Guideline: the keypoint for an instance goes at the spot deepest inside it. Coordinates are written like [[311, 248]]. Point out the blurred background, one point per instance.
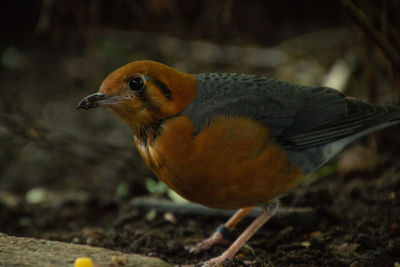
[[53, 53]]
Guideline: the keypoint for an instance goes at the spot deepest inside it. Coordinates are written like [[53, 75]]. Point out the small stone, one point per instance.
[[169, 217], [347, 248]]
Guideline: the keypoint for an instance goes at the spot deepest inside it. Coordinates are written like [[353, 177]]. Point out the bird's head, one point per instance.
[[143, 93]]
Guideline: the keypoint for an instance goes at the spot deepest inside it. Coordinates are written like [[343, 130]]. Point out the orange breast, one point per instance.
[[230, 164]]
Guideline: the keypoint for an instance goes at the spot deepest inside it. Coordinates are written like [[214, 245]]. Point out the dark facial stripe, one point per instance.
[[143, 97], [163, 88], [146, 99]]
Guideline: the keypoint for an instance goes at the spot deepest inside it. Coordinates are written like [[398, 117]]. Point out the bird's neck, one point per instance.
[[147, 134]]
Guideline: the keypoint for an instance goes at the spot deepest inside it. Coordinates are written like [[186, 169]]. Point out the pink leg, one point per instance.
[[217, 237], [266, 214], [237, 217]]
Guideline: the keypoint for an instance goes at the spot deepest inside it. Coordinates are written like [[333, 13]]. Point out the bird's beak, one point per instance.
[[96, 100]]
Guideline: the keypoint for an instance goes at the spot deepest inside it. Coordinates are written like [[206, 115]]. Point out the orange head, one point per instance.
[[144, 93]]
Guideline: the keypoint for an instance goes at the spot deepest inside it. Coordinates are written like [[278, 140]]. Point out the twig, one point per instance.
[[162, 205], [372, 32], [394, 35]]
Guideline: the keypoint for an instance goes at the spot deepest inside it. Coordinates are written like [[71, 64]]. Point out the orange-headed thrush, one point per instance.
[[233, 141]]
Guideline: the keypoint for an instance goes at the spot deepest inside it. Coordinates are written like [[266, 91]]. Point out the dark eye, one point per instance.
[[136, 83]]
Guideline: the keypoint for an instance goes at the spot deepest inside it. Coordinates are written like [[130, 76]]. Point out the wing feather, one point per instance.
[[298, 117]]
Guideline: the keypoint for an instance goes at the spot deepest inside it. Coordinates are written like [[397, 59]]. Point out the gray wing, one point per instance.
[[287, 110], [310, 123]]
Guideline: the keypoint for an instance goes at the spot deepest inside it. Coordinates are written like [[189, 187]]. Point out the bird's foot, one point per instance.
[[217, 261], [215, 239]]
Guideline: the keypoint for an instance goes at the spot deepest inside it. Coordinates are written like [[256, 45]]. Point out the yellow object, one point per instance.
[[83, 262]]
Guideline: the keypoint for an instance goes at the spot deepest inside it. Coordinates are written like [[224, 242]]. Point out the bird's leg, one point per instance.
[[266, 214], [220, 236]]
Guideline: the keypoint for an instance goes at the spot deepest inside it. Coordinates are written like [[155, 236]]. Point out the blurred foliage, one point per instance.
[[159, 188], [155, 187]]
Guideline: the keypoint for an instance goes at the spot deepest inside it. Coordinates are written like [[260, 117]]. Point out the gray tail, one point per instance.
[[360, 118], [368, 118]]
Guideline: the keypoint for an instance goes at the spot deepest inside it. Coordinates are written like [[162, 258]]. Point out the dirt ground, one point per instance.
[[354, 222]]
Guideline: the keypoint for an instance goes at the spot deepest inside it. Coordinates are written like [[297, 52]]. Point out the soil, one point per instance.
[[355, 221]]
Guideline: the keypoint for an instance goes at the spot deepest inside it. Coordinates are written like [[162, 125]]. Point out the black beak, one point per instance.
[[92, 101]]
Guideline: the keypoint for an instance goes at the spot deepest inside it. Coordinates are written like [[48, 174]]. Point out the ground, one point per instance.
[[354, 220]]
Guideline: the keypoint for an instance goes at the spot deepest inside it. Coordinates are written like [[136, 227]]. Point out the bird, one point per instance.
[[233, 141]]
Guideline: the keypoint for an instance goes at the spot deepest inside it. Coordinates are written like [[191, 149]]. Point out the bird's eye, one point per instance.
[[136, 83]]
